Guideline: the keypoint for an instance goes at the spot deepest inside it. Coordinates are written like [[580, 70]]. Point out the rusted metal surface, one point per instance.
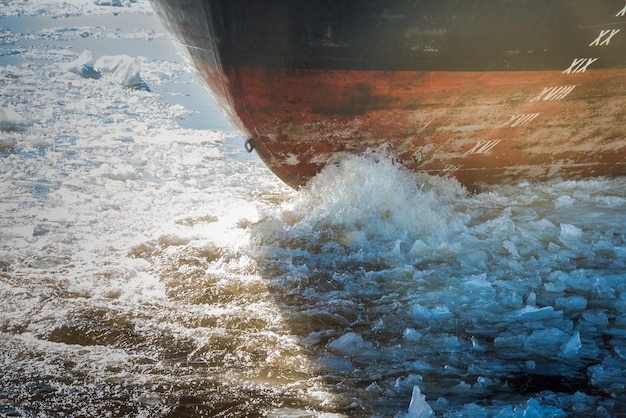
[[565, 118], [480, 127]]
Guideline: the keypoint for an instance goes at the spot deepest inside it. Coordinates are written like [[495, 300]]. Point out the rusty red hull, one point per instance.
[[556, 118], [495, 127]]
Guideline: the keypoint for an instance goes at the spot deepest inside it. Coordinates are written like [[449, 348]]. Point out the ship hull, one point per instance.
[[495, 92]]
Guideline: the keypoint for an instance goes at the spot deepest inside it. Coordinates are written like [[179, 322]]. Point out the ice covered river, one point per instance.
[[150, 267]]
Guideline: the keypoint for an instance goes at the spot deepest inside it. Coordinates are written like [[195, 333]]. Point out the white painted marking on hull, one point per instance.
[[553, 93], [602, 39], [580, 65], [520, 120], [484, 146]]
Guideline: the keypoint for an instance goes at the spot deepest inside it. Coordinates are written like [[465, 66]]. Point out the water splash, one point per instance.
[[508, 295]]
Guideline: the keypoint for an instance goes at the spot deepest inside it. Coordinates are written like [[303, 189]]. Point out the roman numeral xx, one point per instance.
[[602, 39]]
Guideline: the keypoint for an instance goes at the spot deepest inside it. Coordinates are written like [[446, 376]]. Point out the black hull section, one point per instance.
[[402, 35]]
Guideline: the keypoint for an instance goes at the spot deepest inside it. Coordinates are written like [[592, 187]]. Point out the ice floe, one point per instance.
[[121, 69]]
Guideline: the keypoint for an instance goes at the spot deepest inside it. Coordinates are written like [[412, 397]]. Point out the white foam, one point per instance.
[[410, 208]]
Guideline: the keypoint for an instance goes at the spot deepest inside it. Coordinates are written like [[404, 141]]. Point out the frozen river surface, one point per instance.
[[150, 267]]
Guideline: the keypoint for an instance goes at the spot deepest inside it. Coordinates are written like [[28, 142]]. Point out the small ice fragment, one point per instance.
[[506, 412], [410, 334], [10, 120], [563, 201], [510, 246], [418, 407], [546, 341], [531, 313], [122, 68], [83, 66], [620, 350], [479, 286], [571, 347], [121, 172], [178, 111], [340, 364], [408, 382], [555, 287], [474, 410], [509, 341], [576, 303], [553, 248], [349, 344], [570, 236], [451, 343], [620, 305], [114, 3], [421, 312], [462, 386], [534, 409], [596, 317], [477, 346]]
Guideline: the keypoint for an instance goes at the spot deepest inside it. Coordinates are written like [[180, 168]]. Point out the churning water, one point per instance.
[[149, 268]]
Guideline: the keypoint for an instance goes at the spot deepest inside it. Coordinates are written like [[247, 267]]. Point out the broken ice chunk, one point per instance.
[[83, 66], [122, 69], [571, 347], [418, 407], [575, 303], [350, 344], [570, 236], [596, 318], [531, 313], [547, 342]]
